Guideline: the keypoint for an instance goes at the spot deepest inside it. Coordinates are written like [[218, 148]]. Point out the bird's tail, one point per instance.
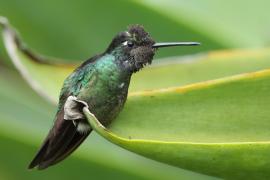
[[61, 141]]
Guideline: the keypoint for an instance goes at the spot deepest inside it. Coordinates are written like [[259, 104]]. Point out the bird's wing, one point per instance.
[[64, 137]]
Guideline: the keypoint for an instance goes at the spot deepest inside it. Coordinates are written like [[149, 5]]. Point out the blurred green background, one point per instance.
[[76, 30]]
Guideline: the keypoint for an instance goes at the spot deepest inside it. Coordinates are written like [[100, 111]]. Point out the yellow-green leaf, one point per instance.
[[215, 123], [219, 128], [233, 26], [25, 118], [45, 75]]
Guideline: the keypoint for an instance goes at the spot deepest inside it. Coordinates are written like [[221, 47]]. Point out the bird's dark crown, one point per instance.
[[134, 47], [135, 34]]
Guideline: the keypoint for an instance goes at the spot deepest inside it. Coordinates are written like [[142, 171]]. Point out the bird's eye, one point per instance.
[[130, 43]]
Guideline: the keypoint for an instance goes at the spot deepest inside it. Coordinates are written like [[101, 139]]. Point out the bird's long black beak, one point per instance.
[[169, 44]]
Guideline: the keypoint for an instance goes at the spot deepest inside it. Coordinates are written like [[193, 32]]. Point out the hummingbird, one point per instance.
[[100, 83]]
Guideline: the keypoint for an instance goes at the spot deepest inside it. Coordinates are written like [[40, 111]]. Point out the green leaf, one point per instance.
[[78, 30], [230, 25], [25, 119], [47, 79], [219, 128], [24, 122], [37, 72], [15, 155]]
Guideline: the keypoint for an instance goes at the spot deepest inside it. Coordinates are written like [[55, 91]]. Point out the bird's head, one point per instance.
[[135, 48]]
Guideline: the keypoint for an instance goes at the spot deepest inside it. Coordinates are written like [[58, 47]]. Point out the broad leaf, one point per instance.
[[15, 154], [230, 23], [78, 30], [25, 119], [218, 127], [47, 79]]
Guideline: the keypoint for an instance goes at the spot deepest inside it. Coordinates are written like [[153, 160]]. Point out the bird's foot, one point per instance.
[[73, 108]]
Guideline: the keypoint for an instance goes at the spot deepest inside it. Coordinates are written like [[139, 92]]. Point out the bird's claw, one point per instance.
[[73, 108]]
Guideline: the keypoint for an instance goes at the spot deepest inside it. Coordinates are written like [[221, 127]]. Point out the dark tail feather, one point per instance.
[[62, 140], [53, 145], [75, 142], [39, 155], [64, 151]]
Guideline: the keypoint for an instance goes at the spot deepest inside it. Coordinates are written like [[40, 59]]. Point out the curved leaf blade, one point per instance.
[[220, 20], [45, 75], [36, 72], [149, 127], [28, 117], [78, 30], [25, 119], [221, 148]]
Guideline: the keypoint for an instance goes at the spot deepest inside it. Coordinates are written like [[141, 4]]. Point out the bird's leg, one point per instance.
[[73, 108]]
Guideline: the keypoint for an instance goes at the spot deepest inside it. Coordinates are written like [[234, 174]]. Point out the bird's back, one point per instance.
[[103, 86]]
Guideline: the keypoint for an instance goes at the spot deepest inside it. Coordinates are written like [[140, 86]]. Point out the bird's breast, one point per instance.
[[106, 93]]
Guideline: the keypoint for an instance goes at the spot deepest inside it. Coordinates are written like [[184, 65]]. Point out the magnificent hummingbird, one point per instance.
[[102, 84]]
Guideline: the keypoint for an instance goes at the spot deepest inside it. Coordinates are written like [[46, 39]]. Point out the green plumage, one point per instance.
[[103, 84]]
